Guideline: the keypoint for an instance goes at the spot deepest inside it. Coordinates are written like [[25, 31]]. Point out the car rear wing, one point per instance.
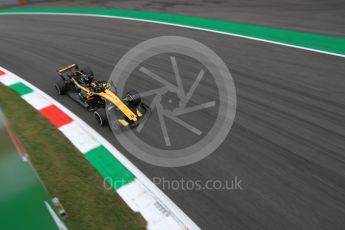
[[70, 67], [68, 71]]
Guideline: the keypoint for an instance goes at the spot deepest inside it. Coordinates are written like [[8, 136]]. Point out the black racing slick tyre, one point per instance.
[[133, 98], [60, 86], [101, 116]]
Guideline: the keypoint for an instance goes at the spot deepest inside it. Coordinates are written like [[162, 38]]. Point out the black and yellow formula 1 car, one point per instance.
[[81, 86]]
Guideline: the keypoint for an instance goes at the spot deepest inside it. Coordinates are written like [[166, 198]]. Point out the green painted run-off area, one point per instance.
[[22, 196]]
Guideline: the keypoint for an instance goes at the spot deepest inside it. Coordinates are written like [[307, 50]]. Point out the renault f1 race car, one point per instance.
[[81, 86]]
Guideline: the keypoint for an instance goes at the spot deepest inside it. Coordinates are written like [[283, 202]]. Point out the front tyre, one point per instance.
[[101, 116], [133, 98]]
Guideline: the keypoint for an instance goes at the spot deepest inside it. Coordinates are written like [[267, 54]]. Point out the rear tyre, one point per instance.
[[60, 86], [101, 116]]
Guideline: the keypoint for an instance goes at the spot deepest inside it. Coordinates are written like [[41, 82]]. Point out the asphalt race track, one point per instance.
[[287, 141], [317, 16]]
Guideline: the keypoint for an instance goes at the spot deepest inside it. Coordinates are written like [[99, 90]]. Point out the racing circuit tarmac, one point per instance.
[[287, 141]]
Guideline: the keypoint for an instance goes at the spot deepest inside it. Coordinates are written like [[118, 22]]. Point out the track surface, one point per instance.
[[317, 16], [287, 142]]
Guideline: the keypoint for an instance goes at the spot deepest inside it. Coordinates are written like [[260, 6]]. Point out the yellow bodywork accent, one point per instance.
[[139, 113], [113, 98], [110, 96], [66, 68], [123, 122]]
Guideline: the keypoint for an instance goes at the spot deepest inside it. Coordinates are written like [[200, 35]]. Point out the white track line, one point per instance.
[[184, 26]]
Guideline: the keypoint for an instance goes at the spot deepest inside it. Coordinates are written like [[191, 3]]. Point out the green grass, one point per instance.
[[65, 172]]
